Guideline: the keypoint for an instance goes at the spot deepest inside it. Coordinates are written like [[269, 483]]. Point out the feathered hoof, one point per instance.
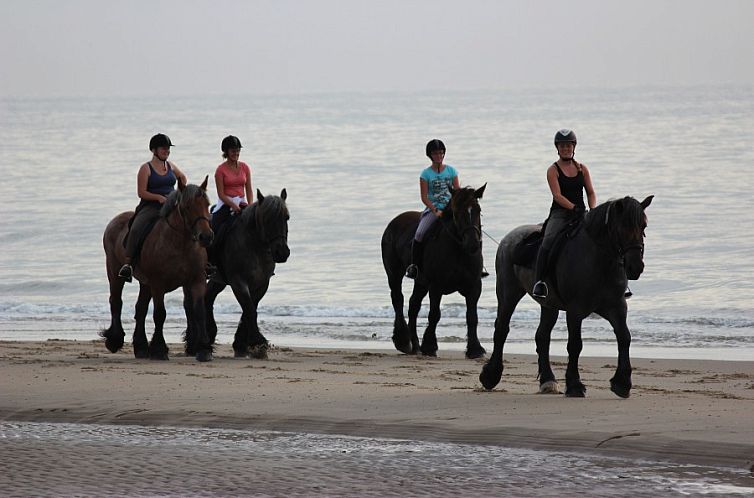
[[240, 354], [475, 353], [550, 387], [259, 351], [620, 390], [203, 356], [141, 354], [490, 376], [577, 390], [404, 346]]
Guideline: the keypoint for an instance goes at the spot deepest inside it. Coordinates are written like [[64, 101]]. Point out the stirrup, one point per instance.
[[126, 273], [540, 290], [627, 294], [412, 271]]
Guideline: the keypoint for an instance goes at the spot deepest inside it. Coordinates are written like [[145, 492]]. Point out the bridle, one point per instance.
[[620, 248], [188, 227], [471, 226]]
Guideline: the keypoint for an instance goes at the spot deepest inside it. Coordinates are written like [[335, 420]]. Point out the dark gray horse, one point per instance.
[[452, 263], [251, 247], [589, 275]]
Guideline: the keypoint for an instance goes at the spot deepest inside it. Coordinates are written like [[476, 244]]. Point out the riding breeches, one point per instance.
[[557, 221], [145, 216], [428, 218]]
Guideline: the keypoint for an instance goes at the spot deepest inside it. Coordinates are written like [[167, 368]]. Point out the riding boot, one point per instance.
[[540, 288], [417, 251], [126, 272]]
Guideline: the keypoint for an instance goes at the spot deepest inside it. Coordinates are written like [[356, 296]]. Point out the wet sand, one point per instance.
[[681, 410]]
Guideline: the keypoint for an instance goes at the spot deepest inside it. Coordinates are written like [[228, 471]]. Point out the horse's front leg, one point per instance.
[[242, 343], [140, 343], [429, 341], [158, 350], [509, 293], [620, 384], [414, 305], [474, 348], [194, 307], [213, 290], [114, 334], [574, 387], [547, 319]]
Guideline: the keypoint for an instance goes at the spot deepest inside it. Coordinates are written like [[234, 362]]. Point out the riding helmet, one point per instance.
[[230, 142], [160, 140], [434, 145], [565, 135]]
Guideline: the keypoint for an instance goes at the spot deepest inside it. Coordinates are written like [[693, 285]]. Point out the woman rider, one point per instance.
[[154, 182], [568, 179], [435, 183]]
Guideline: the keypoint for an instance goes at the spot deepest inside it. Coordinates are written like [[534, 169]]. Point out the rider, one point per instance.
[[435, 183], [568, 179], [154, 182], [233, 182]]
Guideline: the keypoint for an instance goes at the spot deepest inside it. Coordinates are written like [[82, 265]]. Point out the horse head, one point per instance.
[[467, 216], [271, 220], [193, 207], [625, 221]]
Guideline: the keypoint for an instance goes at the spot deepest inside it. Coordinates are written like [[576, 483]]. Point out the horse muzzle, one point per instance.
[[204, 238], [280, 253]]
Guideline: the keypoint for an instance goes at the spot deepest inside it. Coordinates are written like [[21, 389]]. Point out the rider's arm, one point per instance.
[[179, 174], [141, 186], [249, 191], [591, 197]]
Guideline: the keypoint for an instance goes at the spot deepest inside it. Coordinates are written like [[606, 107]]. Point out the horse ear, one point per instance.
[[478, 193], [203, 186], [283, 194], [646, 202], [181, 185], [260, 197]]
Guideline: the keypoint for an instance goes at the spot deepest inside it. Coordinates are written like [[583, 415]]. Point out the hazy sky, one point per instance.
[[176, 47]]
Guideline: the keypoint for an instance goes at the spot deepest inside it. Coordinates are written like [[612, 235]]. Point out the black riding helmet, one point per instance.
[[565, 136], [230, 142], [160, 140], [434, 145]]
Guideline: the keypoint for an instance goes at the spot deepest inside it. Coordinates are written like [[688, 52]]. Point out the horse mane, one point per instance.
[[272, 206], [174, 198], [464, 192]]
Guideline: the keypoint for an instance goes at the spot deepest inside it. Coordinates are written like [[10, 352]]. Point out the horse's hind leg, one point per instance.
[[508, 296], [193, 305], [574, 387], [140, 344], [547, 319], [158, 350], [414, 305], [213, 290], [429, 341], [473, 348], [401, 336], [114, 334]]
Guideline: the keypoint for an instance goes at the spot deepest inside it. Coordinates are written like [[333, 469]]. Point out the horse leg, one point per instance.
[[429, 341], [547, 319], [193, 302], [213, 290], [158, 350], [574, 387], [401, 336], [473, 348], [509, 293], [258, 344], [140, 343], [241, 341], [620, 384], [114, 334], [414, 305]]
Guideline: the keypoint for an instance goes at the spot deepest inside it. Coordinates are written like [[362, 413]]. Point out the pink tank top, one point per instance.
[[234, 180]]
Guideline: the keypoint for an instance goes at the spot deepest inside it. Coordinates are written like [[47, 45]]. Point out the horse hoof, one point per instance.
[[622, 391], [240, 354], [141, 355], [113, 348], [576, 391], [159, 357], [204, 356], [429, 354], [259, 351], [403, 346], [489, 377], [473, 354], [549, 387]]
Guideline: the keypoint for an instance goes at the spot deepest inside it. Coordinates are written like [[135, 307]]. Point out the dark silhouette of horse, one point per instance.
[[452, 262], [251, 245], [589, 275], [173, 255]]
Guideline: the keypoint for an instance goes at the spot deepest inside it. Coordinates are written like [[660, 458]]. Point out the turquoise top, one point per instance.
[[439, 185]]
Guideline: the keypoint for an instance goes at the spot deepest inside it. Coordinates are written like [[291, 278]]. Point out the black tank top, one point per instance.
[[572, 188]]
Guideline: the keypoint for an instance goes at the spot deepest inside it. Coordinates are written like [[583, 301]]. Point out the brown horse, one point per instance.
[[173, 255]]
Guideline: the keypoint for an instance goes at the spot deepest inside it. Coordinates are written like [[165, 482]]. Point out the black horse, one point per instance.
[[452, 263], [589, 275], [251, 246]]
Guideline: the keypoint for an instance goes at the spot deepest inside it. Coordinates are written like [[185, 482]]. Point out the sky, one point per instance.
[[54, 48]]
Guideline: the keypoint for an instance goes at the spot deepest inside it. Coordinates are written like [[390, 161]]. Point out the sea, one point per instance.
[[349, 163]]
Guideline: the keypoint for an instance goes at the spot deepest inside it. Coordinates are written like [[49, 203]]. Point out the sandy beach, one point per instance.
[[681, 410]]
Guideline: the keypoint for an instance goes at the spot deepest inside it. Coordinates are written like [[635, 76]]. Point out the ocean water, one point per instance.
[[123, 460], [350, 162]]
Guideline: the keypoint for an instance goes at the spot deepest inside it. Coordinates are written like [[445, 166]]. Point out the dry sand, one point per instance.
[[681, 410]]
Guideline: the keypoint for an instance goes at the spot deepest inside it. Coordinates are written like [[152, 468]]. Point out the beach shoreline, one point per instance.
[[695, 411]]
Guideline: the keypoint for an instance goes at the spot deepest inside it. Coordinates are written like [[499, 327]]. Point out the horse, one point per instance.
[[452, 262], [255, 241], [589, 275], [173, 255]]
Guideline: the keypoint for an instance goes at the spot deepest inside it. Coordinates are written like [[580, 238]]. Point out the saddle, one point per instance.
[[525, 252]]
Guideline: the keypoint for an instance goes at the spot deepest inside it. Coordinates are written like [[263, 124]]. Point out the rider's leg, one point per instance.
[[555, 223], [417, 249]]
